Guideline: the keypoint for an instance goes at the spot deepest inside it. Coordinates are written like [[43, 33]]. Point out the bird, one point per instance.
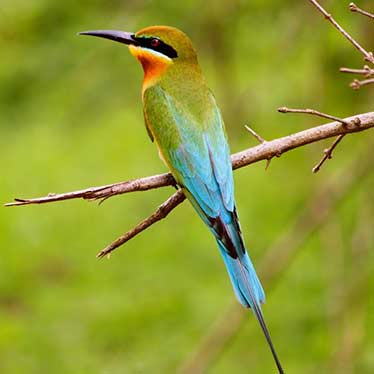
[[184, 121]]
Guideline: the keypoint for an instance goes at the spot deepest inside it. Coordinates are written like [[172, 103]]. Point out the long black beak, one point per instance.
[[117, 36]]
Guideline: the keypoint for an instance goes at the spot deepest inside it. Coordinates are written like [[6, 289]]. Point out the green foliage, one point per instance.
[[71, 116]]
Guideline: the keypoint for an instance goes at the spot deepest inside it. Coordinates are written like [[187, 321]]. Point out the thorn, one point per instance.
[[259, 138], [102, 200], [268, 163]]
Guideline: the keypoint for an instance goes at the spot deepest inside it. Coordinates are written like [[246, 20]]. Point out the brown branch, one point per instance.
[[368, 55], [354, 8], [328, 153], [356, 84], [261, 140], [264, 151], [366, 71], [277, 258], [103, 192], [162, 211], [314, 112]]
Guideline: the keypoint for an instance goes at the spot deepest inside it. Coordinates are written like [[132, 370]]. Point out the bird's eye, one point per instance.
[[155, 42]]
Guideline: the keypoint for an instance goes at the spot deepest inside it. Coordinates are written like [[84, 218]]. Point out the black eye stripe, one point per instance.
[[161, 47]]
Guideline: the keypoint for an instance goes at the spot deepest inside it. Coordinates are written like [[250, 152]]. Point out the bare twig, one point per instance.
[[368, 55], [366, 71], [264, 151], [284, 109], [103, 192], [356, 84], [328, 153], [162, 211], [277, 258], [354, 8], [259, 138]]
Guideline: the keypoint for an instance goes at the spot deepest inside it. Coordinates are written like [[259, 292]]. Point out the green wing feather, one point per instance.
[[197, 153]]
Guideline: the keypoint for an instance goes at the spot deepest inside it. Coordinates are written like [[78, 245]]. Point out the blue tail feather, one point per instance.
[[244, 279], [246, 285], [243, 276]]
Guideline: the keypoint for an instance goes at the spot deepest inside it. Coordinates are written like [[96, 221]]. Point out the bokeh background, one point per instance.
[[71, 117]]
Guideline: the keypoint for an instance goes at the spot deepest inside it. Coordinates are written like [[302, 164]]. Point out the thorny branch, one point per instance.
[[261, 140], [366, 71], [367, 55], [103, 192], [327, 152], [266, 150]]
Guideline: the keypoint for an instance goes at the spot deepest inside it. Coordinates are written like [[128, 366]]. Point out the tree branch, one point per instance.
[[103, 192], [162, 211], [314, 112], [356, 84], [328, 153], [354, 8], [368, 55], [266, 150], [263, 151], [366, 71]]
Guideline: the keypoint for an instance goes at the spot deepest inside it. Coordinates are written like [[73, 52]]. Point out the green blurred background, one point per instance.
[[71, 117]]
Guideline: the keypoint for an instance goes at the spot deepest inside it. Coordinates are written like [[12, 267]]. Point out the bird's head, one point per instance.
[[156, 47]]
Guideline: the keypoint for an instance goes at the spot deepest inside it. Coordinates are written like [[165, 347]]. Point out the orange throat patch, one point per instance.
[[153, 65]]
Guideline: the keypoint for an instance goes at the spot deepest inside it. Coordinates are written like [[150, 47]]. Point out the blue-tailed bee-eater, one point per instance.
[[183, 119]]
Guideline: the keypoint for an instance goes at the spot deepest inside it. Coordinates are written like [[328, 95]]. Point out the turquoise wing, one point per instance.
[[197, 154]]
